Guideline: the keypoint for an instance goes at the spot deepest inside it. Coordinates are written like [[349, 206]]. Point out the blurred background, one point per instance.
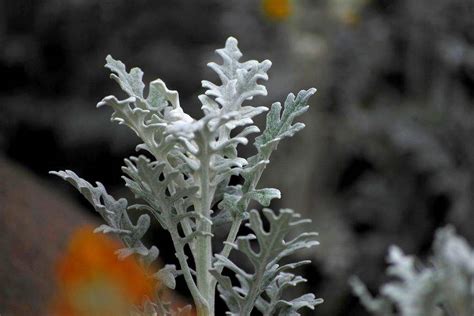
[[386, 158]]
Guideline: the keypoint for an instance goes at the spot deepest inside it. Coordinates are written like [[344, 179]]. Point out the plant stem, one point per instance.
[[234, 230], [199, 300], [203, 245]]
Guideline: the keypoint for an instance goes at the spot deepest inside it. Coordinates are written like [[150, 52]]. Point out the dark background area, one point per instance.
[[387, 156]]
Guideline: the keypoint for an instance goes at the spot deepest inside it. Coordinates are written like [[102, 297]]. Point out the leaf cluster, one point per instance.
[[183, 176]]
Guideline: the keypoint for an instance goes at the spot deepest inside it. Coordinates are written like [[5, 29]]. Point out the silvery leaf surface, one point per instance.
[[280, 121], [150, 181], [239, 80], [242, 299], [148, 117], [279, 125], [275, 305], [114, 212]]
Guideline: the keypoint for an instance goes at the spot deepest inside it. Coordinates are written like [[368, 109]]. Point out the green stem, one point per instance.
[[255, 292], [199, 300], [203, 245], [234, 230]]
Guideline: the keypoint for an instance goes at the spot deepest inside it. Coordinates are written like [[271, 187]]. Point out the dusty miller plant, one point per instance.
[[183, 177], [445, 287]]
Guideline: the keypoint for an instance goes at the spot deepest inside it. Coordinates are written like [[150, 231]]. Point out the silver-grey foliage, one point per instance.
[[445, 287], [268, 276], [185, 174]]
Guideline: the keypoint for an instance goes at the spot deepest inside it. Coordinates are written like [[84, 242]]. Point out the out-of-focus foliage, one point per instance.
[[444, 287]]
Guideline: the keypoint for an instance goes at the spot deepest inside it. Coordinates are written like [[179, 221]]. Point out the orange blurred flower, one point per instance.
[[92, 281], [277, 9]]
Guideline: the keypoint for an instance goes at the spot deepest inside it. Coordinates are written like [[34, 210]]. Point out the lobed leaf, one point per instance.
[[114, 212], [268, 274]]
